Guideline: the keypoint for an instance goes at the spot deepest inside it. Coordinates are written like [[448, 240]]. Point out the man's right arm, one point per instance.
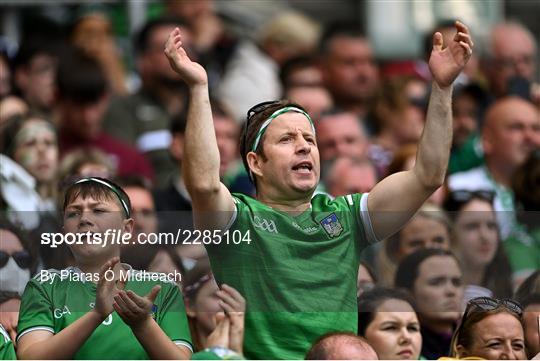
[[212, 202]]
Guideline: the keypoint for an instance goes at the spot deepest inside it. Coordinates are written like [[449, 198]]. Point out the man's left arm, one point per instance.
[[395, 199]]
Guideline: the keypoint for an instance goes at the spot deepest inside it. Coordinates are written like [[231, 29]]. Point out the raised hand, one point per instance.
[[107, 289], [446, 64], [191, 72], [133, 309]]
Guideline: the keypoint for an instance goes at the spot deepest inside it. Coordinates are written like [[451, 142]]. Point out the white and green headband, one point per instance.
[[274, 116]]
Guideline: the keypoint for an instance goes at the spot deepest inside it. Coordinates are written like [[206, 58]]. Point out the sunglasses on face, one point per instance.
[[22, 258]]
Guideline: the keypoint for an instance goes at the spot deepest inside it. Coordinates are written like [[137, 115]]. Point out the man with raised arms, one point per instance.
[[298, 268]]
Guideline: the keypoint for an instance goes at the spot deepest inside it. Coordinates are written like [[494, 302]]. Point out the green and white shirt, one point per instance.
[[55, 299], [297, 273], [7, 351]]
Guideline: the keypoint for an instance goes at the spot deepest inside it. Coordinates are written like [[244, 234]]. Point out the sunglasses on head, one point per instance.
[[464, 196], [256, 109], [484, 304], [22, 258]]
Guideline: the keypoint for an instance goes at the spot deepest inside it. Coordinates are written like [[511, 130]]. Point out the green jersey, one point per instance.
[[523, 250], [297, 273], [7, 351], [54, 299]]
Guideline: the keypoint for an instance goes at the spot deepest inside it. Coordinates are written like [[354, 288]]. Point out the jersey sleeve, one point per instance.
[[358, 203], [36, 311], [171, 316]]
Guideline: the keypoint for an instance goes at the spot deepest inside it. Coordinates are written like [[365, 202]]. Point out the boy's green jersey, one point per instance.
[[55, 299], [297, 273], [7, 351]]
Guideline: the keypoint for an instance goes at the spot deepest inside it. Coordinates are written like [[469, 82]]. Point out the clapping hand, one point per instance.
[[229, 331]]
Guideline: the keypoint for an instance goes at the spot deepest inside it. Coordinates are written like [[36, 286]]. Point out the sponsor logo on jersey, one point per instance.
[[60, 312], [265, 225], [332, 225], [309, 230]]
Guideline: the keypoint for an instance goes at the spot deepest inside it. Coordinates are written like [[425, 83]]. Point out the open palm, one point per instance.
[[446, 64], [191, 72]]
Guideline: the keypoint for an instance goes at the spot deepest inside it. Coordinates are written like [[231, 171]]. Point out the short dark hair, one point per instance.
[[407, 271], [142, 39], [336, 30], [97, 191], [530, 286], [80, 78], [253, 124], [135, 181], [33, 46], [369, 302], [24, 237]]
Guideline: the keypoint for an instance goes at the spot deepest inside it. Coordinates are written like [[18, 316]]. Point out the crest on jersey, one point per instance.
[[332, 225]]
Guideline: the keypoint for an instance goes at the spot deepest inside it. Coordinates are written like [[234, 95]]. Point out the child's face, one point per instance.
[[95, 216]]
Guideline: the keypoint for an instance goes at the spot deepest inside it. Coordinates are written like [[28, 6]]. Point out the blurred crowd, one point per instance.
[[463, 272]]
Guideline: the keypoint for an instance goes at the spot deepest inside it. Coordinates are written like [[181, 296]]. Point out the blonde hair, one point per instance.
[[291, 29]]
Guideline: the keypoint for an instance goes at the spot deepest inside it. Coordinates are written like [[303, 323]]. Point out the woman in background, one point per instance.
[[388, 321]]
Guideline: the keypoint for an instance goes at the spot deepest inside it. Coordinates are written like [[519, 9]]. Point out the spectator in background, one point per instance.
[[314, 98], [429, 228], [511, 131], [12, 106], [528, 294], [154, 326], [341, 346], [510, 61], [252, 75], [143, 208], [18, 262], [468, 106], [83, 97], [476, 243], [301, 71], [34, 72], [29, 174], [205, 300], [92, 32], [523, 244], [212, 41], [388, 321], [366, 279], [531, 315], [143, 119], [398, 117], [490, 329], [348, 68], [346, 175], [341, 134], [86, 163], [5, 75], [404, 159], [301, 79], [435, 280]]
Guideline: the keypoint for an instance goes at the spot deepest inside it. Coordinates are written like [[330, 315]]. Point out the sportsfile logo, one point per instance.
[[265, 225]]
